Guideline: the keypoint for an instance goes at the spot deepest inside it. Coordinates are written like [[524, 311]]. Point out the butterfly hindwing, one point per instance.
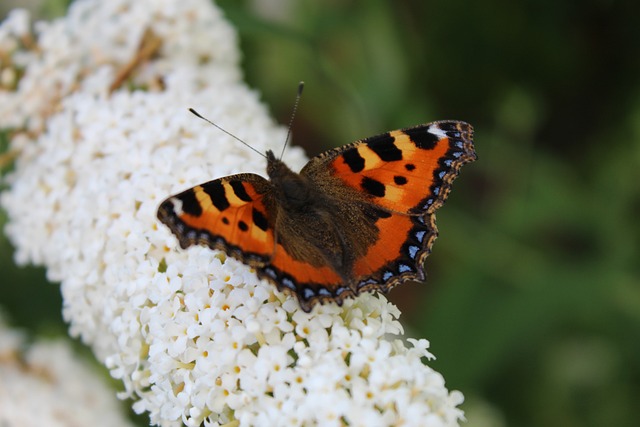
[[399, 253], [308, 283]]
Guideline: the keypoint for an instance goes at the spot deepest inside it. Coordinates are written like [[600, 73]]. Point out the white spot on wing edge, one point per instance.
[[435, 129], [177, 205]]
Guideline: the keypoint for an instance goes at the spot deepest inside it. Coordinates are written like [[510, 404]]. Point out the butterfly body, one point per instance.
[[305, 222], [355, 219]]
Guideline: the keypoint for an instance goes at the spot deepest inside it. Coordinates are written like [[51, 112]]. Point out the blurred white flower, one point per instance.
[[195, 337], [45, 384]]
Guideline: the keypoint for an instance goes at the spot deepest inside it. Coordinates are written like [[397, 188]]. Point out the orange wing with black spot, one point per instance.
[[227, 214], [406, 171], [407, 174]]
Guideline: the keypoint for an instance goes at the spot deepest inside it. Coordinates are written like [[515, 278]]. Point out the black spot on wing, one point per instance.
[[384, 147], [354, 160], [190, 204], [218, 196], [422, 137], [242, 225], [409, 166], [259, 219], [240, 191], [373, 187], [399, 180]]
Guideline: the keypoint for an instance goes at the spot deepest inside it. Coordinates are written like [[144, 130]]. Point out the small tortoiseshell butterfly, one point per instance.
[[356, 218]]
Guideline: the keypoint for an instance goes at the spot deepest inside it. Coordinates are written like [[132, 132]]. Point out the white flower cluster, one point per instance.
[[45, 384], [195, 337]]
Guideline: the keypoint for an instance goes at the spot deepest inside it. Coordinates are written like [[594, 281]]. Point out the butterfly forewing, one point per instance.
[[226, 214], [408, 170]]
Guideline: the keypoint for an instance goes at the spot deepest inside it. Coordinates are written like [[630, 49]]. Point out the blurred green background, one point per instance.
[[532, 304]]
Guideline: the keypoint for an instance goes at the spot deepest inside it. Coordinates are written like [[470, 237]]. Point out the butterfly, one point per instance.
[[357, 218]]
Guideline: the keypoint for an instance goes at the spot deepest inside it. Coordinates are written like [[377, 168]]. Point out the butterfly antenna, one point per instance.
[[293, 115], [195, 113]]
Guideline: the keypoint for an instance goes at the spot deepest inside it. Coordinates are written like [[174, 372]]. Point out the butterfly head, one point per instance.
[[276, 168]]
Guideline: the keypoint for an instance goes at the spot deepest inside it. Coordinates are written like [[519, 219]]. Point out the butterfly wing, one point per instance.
[[406, 175], [408, 171], [227, 214]]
